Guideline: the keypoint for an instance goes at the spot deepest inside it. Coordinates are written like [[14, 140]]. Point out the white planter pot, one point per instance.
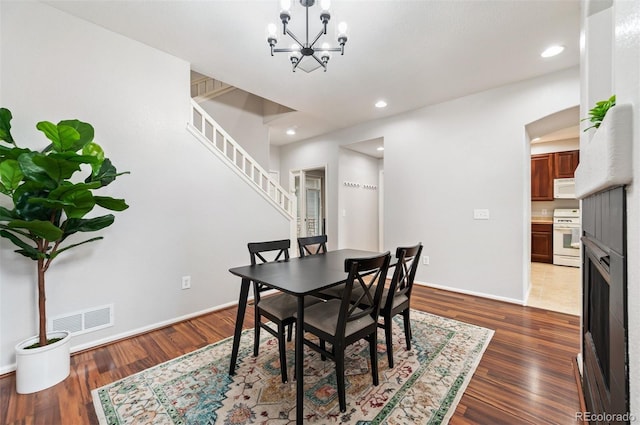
[[42, 367]]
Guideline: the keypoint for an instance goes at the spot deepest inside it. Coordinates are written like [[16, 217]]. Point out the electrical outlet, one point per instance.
[[186, 282], [425, 260], [481, 214], [544, 211]]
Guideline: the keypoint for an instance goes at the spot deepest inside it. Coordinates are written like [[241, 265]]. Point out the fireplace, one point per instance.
[[605, 352]]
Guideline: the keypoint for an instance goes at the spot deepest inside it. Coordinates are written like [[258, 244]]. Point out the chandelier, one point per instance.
[[300, 50]]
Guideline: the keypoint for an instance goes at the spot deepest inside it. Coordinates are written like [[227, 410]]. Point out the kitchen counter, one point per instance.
[[542, 220]]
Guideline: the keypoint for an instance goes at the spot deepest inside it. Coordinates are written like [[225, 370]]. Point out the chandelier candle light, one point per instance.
[[299, 50]]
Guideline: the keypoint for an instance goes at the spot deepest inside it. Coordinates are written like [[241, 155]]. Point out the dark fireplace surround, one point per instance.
[[605, 375]]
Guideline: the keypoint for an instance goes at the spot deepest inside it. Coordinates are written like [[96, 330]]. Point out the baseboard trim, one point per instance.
[[576, 372], [474, 293]]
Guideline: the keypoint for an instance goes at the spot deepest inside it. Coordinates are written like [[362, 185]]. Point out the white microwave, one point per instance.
[[564, 188]]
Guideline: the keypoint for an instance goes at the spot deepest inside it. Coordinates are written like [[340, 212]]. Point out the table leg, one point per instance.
[[242, 307], [299, 361]]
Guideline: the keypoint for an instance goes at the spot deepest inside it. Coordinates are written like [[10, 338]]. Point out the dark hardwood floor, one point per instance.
[[526, 375]]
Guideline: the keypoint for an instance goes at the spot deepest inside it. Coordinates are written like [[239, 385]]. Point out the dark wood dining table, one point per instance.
[[299, 277]]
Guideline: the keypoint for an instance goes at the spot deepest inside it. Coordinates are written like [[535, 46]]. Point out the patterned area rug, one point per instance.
[[424, 387]]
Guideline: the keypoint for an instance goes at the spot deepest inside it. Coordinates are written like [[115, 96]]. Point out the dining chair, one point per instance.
[[396, 299], [316, 245], [341, 323], [278, 308], [312, 245]]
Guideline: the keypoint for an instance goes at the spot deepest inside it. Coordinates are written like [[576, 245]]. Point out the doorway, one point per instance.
[[360, 195], [552, 286], [309, 186]]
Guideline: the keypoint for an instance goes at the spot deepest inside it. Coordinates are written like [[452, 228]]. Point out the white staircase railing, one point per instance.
[[210, 134], [208, 88]]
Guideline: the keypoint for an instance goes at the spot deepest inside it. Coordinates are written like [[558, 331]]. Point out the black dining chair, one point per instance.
[[341, 323], [396, 299], [312, 245], [316, 245], [278, 308]]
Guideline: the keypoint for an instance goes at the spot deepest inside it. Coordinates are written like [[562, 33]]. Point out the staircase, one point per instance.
[[211, 135], [203, 88]]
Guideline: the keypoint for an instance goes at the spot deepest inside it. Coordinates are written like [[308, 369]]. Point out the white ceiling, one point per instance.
[[410, 53]]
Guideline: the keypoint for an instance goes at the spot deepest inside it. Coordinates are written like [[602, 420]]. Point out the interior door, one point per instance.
[[308, 187], [313, 206]]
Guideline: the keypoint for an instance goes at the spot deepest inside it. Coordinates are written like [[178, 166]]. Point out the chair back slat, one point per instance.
[[312, 245], [407, 260], [368, 273], [366, 281], [279, 250], [276, 250]]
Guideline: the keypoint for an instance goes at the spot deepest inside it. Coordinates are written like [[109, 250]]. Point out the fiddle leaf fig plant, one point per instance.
[[49, 201], [597, 113]]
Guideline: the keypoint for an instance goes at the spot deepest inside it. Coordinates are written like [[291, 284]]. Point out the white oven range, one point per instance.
[[566, 237]]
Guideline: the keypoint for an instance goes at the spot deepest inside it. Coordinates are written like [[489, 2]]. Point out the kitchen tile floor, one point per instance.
[[556, 288]]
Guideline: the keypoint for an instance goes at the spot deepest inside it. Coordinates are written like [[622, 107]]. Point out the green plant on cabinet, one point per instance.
[[598, 112]]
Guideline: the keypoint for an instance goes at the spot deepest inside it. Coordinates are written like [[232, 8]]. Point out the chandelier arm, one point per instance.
[[320, 34], [322, 63], [295, 65], [319, 61], [295, 38], [285, 50]]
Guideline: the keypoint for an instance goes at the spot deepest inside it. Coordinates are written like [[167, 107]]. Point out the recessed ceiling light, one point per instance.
[[291, 132], [552, 51], [381, 148], [381, 104]]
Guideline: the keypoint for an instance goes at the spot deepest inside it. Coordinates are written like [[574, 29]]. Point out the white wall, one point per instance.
[[54, 67], [443, 161], [626, 76], [358, 205], [597, 58], [241, 115], [274, 165]]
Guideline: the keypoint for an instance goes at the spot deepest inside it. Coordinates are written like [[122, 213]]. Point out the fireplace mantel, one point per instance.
[[605, 160]]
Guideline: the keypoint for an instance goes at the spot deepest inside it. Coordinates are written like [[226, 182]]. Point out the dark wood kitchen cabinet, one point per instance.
[[542, 243], [549, 166], [565, 164], [542, 172]]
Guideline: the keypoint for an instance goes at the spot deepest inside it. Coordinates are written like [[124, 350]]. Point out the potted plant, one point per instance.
[[598, 112], [48, 204]]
